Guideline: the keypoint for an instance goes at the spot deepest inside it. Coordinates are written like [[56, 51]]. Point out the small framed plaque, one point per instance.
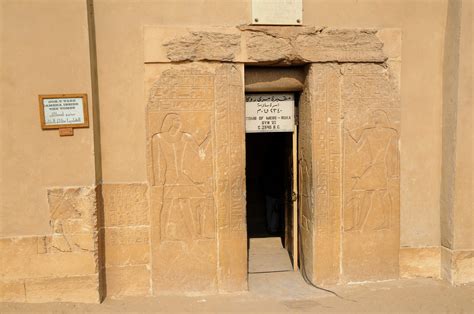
[[64, 112]]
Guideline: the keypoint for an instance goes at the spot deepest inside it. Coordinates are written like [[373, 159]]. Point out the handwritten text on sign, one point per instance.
[[60, 111], [269, 113]]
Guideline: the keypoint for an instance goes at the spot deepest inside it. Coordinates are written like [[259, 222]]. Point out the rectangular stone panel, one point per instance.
[[12, 291], [229, 118], [128, 281], [49, 265], [305, 175], [370, 173], [180, 163], [326, 125], [84, 289], [125, 204], [420, 262], [196, 172], [127, 246]]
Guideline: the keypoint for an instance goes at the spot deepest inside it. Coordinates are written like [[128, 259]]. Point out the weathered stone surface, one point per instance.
[[230, 178], [340, 45], [71, 206], [13, 291], [181, 154], [457, 267], [371, 180], [127, 246], [128, 281], [202, 45], [275, 79], [125, 205], [195, 167], [84, 289], [67, 258], [49, 265], [305, 174], [262, 44], [324, 90], [463, 267], [420, 262], [266, 48]]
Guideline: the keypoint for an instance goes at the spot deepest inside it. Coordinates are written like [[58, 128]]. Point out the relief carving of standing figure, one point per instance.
[[370, 193], [177, 159]]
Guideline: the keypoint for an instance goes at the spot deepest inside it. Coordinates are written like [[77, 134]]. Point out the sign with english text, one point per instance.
[[269, 113], [63, 111]]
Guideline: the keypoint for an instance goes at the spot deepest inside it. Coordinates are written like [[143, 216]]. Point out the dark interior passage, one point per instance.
[[268, 173]]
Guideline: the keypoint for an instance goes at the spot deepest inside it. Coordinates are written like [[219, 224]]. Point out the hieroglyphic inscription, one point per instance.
[[182, 92], [371, 180], [229, 114], [305, 175], [327, 170]]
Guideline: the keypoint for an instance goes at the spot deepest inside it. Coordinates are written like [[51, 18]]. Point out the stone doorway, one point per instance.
[[348, 153]]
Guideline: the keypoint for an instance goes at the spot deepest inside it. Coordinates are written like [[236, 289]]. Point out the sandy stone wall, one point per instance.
[[127, 239], [61, 266]]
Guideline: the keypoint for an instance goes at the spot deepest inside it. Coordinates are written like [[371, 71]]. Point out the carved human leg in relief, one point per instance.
[[177, 157], [370, 203]]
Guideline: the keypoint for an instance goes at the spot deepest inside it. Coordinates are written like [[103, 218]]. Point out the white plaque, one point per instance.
[[269, 113], [60, 111], [277, 12]]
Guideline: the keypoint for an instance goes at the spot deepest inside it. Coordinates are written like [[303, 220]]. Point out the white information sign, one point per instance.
[[277, 12], [269, 113], [60, 111]]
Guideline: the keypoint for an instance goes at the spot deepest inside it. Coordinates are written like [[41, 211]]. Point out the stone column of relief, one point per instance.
[[181, 176], [195, 169], [326, 126], [371, 180]]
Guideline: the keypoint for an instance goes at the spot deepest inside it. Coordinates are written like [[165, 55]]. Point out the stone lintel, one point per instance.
[[281, 45]]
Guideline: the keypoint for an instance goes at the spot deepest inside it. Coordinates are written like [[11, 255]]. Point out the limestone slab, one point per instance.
[[371, 173], [420, 262], [457, 267], [127, 246], [325, 130], [125, 204], [262, 44], [128, 281], [195, 136], [13, 291], [49, 265], [84, 289]]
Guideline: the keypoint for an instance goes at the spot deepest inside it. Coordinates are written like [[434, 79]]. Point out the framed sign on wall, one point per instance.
[[64, 112]]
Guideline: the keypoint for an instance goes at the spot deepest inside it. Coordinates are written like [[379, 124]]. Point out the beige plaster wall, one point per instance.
[[120, 57], [457, 216], [44, 49]]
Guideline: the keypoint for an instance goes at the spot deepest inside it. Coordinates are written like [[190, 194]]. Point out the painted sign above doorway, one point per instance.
[[269, 113]]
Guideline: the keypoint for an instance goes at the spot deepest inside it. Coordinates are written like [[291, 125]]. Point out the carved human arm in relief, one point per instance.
[[200, 147], [158, 161]]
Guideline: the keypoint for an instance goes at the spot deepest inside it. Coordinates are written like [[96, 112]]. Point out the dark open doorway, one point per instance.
[[269, 183]]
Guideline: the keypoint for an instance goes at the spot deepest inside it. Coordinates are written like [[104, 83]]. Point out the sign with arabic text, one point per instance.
[[269, 113]]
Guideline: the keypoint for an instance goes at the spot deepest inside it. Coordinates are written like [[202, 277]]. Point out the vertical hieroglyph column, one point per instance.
[[371, 180], [181, 154], [305, 175], [326, 171], [230, 177]]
